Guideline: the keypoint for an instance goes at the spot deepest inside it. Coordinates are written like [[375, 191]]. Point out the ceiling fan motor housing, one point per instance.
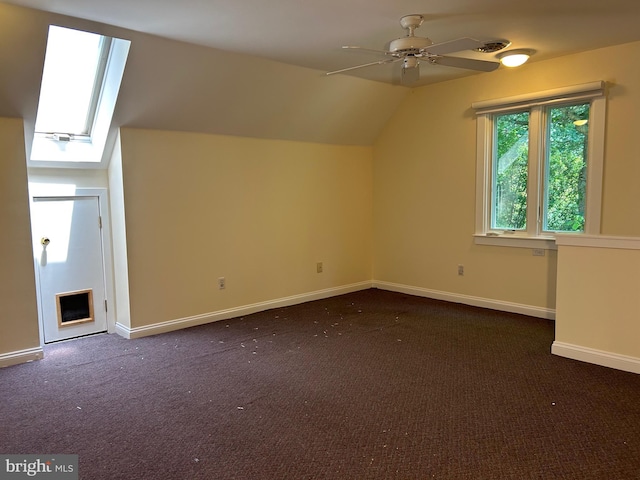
[[409, 45]]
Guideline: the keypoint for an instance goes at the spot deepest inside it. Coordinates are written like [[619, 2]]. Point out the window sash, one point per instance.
[[535, 236], [537, 173], [497, 167], [547, 167], [55, 88]]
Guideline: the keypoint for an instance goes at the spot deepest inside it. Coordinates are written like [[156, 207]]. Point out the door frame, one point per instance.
[[107, 259]]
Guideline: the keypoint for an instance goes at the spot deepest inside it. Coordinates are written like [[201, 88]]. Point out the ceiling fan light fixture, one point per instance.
[[514, 58], [410, 62]]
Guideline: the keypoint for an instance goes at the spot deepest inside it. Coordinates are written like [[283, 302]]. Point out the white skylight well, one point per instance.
[[80, 83]]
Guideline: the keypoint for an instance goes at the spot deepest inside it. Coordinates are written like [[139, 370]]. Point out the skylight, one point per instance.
[[80, 83], [73, 74]]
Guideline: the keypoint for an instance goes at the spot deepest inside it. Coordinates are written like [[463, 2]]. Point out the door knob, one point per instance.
[[45, 241]]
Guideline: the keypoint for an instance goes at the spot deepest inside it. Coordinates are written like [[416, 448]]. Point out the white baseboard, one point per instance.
[[21, 356], [540, 312], [171, 325], [597, 357]]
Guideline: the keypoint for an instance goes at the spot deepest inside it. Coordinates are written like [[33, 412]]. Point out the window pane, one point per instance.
[[509, 189], [70, 67], [566, 172]]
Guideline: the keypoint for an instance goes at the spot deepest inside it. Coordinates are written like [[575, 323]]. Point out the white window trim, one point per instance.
[[484, 235]]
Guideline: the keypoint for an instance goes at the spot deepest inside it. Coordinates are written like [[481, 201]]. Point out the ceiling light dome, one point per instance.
[[514, 58]]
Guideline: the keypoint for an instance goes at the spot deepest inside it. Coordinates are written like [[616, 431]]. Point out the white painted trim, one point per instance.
[[514, 240], [598, 241], [597, 357], [484, 142], [21, 356], [540, 312], [595, 165], [592, 89], [177, 324]]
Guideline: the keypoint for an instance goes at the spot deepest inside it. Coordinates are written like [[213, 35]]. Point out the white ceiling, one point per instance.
[[310, 33]]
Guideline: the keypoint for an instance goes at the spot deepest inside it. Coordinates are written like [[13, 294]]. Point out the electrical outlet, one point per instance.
[[461, 270], [538, 252], [319, 267], [221, 283]]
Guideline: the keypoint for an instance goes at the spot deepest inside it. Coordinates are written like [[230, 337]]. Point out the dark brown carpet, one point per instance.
[[369, 385]]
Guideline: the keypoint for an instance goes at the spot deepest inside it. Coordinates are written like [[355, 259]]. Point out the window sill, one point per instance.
[[518, 241], [45, 149]]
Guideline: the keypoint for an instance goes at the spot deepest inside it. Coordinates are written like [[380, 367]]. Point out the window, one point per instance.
[[72, 80], [539, 166], [80, 83]]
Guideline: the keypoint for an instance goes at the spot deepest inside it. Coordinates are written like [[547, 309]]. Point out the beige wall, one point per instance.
[[600, 303], [260, 213], [598, 311], [424, 180], [19, 317]]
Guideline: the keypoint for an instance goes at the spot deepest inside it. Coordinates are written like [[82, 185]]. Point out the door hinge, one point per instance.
[[100, 222], [105, 306]]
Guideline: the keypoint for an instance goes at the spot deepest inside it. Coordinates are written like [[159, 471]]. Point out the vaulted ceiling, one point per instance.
[[256, 68], [310, 33]]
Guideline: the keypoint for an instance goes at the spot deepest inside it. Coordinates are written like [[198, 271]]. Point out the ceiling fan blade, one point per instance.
[[410, 75], [379, 62], [468, 63], [458, 45], [372, 50]]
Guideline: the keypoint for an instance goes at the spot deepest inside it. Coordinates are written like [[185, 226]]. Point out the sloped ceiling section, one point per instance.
[[171, 85]]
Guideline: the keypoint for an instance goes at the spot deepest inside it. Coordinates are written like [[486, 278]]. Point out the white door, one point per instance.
[[67, 242]]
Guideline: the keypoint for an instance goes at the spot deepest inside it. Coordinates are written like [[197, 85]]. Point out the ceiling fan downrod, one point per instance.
[[410, 23]]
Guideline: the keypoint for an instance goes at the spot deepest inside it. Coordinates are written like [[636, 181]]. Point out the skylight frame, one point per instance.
[[98, 84], [88, 151], [85, 133]]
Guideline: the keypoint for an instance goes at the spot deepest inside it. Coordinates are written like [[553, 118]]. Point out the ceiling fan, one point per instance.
[[412, 51]]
